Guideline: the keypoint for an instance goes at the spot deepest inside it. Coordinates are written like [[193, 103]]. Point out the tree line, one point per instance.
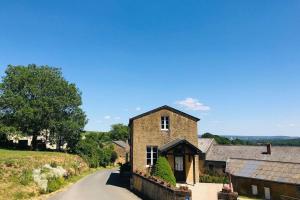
[[276, 142]]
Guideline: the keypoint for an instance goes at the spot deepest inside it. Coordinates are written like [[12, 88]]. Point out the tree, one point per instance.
[[37, 98], [119, 132], [89, 150]]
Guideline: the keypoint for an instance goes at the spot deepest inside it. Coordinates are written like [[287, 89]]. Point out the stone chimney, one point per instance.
[[269, 149]]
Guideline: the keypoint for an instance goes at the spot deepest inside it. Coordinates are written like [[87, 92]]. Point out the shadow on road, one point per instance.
[[116, 180]]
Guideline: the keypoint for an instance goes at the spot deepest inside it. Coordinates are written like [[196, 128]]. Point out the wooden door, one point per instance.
[[179, 169]]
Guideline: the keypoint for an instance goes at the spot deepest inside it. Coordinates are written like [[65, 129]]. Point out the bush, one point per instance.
[[89, 150], [213, 179], [163, 170], [113, 156], [54, 183]]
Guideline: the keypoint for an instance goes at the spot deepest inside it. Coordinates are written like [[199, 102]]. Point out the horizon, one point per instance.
[[233, 64]]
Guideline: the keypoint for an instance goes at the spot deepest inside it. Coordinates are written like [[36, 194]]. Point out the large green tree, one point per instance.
[[119, 132], [37, 98]]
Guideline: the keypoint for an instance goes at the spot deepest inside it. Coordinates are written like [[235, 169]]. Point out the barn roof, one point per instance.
[[278, 153], [205, 143], [281, 172]]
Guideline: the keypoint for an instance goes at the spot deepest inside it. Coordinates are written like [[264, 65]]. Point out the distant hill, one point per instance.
[[254, 140], [251, 138]]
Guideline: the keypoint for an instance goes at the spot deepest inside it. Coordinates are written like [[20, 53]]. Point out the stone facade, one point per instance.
[[278, 191], [146, 131], [153, 190], [123, 154]]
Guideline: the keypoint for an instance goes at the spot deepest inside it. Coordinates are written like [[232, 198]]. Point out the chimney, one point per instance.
[[269, 149]]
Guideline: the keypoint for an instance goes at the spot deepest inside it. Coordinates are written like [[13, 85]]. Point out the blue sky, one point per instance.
[[234, 64]]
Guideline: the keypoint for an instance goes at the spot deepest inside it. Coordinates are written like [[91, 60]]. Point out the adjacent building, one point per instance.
[[265, 179], [122, 150]]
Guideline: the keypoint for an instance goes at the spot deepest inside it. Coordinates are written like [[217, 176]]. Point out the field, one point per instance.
[[16, 169]]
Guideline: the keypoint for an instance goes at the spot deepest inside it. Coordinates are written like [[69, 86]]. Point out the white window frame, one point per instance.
[[163, 123], [267, 193], [254, 189], [151, 155]]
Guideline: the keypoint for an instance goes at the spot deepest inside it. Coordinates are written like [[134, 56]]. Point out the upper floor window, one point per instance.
[[164, 123], [152, 155]]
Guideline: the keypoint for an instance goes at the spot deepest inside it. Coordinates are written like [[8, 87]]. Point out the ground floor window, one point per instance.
[[152, 154], [254, 189], [267, 193]]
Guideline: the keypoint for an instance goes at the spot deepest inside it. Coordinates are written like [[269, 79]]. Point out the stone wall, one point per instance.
[[121, 152], [243, 187], [147, 131], [155, 190]]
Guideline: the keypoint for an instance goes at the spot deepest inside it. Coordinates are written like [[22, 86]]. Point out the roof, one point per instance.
[[165, 107], [121, 143], [278, 153], [205, 143], [282, 172], [176, 142]]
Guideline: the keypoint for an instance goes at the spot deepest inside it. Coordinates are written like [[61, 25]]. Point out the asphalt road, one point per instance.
[[102, 185]]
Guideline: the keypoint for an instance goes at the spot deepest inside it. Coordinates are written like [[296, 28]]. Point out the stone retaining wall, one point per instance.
[[157, 190]]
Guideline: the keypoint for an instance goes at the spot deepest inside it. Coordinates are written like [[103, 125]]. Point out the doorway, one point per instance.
[[179, 169]]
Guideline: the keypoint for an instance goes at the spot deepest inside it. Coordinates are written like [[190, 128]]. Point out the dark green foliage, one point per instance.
[[54, 184], [213, 179], [280, 142], [119, 132], [95, 149], [113, 156], [162, 169], [275, 142], [36, 98], [90, 151], [218, 139], [224, 140], [26, 177]]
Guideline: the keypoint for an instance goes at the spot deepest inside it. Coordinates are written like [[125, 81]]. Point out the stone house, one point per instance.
[[265, 179], [122, 150], [167, 132]]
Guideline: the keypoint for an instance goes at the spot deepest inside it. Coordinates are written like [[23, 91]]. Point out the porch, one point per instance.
[[184, 160]]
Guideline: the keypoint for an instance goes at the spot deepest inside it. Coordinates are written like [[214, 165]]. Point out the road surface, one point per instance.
[[102, 185]]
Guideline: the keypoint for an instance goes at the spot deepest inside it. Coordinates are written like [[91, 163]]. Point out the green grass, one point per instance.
[[16, 171]]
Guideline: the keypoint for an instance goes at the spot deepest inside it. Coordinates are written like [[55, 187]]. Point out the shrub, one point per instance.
[[26, 177], [113, 156], [54, 183], [213, 179], [163, 170], [89, 150]]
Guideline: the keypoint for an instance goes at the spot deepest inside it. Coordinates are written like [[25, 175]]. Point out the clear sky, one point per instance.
[[234, 64]]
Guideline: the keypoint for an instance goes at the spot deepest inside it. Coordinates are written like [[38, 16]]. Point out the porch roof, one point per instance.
[[166, 147]]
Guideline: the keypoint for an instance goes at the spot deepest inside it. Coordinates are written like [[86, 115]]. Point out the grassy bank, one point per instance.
[[16, 168]]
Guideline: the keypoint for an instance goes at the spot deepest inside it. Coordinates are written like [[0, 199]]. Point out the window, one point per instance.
[[224, 168], [254, 189], [164, 123], [152, 155], [267, 193]]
